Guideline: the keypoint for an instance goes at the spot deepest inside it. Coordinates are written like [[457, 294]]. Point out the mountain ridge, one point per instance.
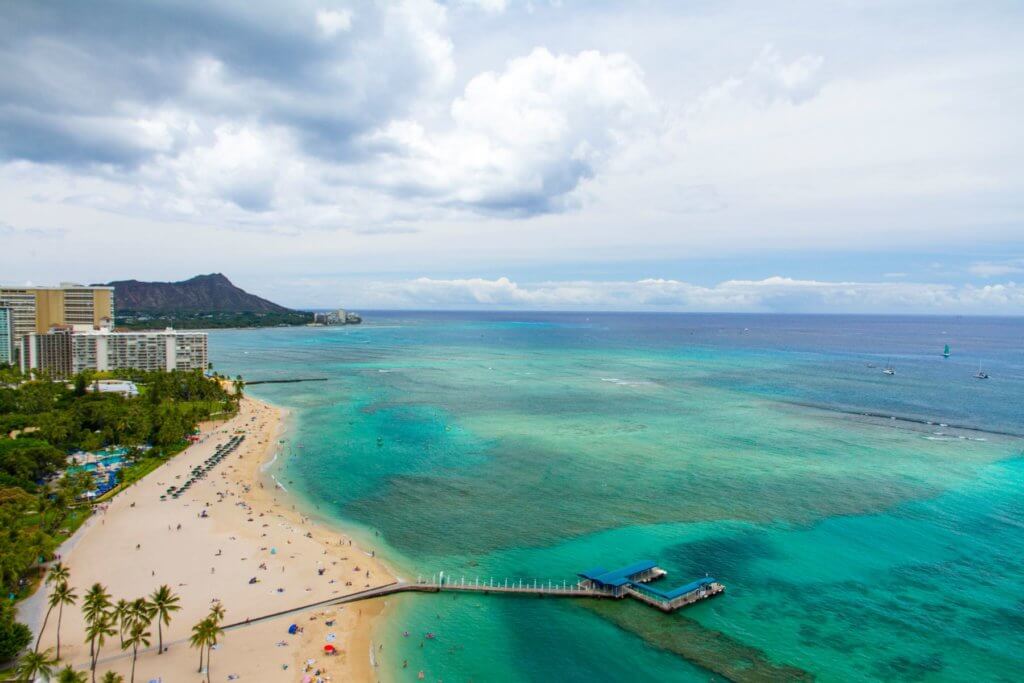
[[210, 293]]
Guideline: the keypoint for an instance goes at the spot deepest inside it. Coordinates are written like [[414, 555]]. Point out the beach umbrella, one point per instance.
[[328, 648], [293, 629]]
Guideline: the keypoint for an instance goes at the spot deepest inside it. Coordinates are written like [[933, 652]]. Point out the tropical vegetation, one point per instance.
[[131, 620], [41, 422], [35, 665], [14, 636], [184, 320], [69, 675]]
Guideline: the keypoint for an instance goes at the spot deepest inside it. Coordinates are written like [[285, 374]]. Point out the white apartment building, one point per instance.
[[166, 350], [91, 349]]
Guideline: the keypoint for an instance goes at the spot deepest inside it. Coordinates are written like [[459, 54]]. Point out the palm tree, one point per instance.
[[142, 611], [62, 595], [58, 574], [52, 603], [94, 604], [121, 618], [136, 637], [96, 633], [111, 677], [33, 665], [200, 636], [165, 602], [69, 675], [214, 634], [217, 612]]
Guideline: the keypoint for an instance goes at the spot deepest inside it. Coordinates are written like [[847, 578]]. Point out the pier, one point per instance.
[[635, 580], [285, 381], [595, 584], [628, 582]]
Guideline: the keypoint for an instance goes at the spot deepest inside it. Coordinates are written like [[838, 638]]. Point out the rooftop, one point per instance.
[[617, 577], [680, 591], [63, 285]]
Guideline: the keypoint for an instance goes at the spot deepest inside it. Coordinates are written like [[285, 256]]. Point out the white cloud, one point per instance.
[[989, 269], [770, 78], [242, 165], [333, 22], [402, 133], [8, 231], [768, 295], [493, 6], [524, 138]]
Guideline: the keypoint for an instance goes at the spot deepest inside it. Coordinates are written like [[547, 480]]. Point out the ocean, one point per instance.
[[867, 527]]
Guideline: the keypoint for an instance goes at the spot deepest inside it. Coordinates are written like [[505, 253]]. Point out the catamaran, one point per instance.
[[889, 369], [980, 374]]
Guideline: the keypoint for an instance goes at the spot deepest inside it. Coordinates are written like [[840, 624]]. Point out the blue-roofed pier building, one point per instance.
[[633, 581], [615, 581]]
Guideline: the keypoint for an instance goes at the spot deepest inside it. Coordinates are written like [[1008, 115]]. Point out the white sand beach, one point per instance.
[[251, 530]]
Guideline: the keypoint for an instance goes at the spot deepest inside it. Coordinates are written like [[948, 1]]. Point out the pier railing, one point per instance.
[[442, 582]]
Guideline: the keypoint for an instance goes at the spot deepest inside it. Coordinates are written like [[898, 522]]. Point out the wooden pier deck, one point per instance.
[[525, 587], [441, 583], [510, 586]]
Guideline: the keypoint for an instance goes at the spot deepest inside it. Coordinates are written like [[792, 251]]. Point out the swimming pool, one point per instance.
[[110, 457]]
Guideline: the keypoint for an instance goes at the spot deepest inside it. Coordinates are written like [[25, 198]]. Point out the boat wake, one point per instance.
[[627, 382]]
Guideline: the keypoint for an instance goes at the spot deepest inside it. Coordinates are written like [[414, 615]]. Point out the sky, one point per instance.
[[819, 156]]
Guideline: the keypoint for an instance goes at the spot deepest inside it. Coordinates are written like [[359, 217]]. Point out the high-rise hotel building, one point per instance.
[[67, 350], [37, 309], [67, 329], [6, 336]]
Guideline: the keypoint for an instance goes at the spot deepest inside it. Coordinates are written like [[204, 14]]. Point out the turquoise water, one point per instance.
[[854, 547]]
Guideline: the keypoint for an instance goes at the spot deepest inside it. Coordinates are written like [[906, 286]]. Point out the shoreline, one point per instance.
[[236, 539], [369, 615]]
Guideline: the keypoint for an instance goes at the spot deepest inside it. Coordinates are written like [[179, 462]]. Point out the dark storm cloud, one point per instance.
[[75, 76]]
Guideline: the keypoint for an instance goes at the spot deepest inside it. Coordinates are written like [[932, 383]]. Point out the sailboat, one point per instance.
[[980, 374], [945, 351], [889, 369]]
